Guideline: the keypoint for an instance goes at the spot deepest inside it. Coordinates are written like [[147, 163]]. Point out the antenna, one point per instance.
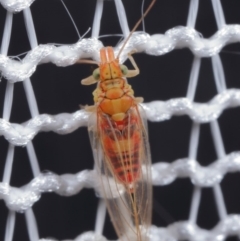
[[64, 5], [136, 25]]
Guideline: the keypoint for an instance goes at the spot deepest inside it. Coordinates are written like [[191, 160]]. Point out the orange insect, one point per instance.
[[120, 144], [119, 139]]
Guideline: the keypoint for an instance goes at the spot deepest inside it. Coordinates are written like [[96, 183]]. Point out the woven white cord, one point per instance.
[[16, 5], [8, 164], [21, 134], [6, 34], [7, 106], [97, 19], [193, 78], [21, 199], [218, 12], [100, 217], [192, 13], [198, 112], [195, 202], [195, 131], [196, 196], [10, 154], [157, 44], [31, 225], [10, 226], [183, 230], [216, 134], [32, 103], [122, 18]]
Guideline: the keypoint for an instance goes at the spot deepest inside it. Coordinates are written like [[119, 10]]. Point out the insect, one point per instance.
[[119, 139]]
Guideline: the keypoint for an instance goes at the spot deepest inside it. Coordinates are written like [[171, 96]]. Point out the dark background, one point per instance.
[[58, 90]]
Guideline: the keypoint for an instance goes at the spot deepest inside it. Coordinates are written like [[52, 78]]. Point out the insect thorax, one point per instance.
[[114, 97]]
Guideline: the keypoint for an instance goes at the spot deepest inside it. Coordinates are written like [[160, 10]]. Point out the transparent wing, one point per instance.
[[122, 159]]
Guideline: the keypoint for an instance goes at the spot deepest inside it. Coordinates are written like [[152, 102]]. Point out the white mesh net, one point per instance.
[[173, 78]]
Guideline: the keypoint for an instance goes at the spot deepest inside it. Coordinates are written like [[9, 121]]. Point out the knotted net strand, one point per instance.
[[21, 199]]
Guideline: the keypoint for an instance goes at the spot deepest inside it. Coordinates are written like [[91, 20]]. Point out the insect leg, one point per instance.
[[135, 71], [88, 81], [138, 100], [90, 108]]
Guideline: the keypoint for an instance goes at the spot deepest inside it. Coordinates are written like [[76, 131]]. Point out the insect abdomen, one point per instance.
[[126, 164]]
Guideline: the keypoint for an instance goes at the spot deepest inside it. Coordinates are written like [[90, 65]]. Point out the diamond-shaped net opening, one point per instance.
[[187, 52]]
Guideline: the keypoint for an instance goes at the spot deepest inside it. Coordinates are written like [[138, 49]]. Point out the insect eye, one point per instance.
[[96, 74], [124, 69]]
